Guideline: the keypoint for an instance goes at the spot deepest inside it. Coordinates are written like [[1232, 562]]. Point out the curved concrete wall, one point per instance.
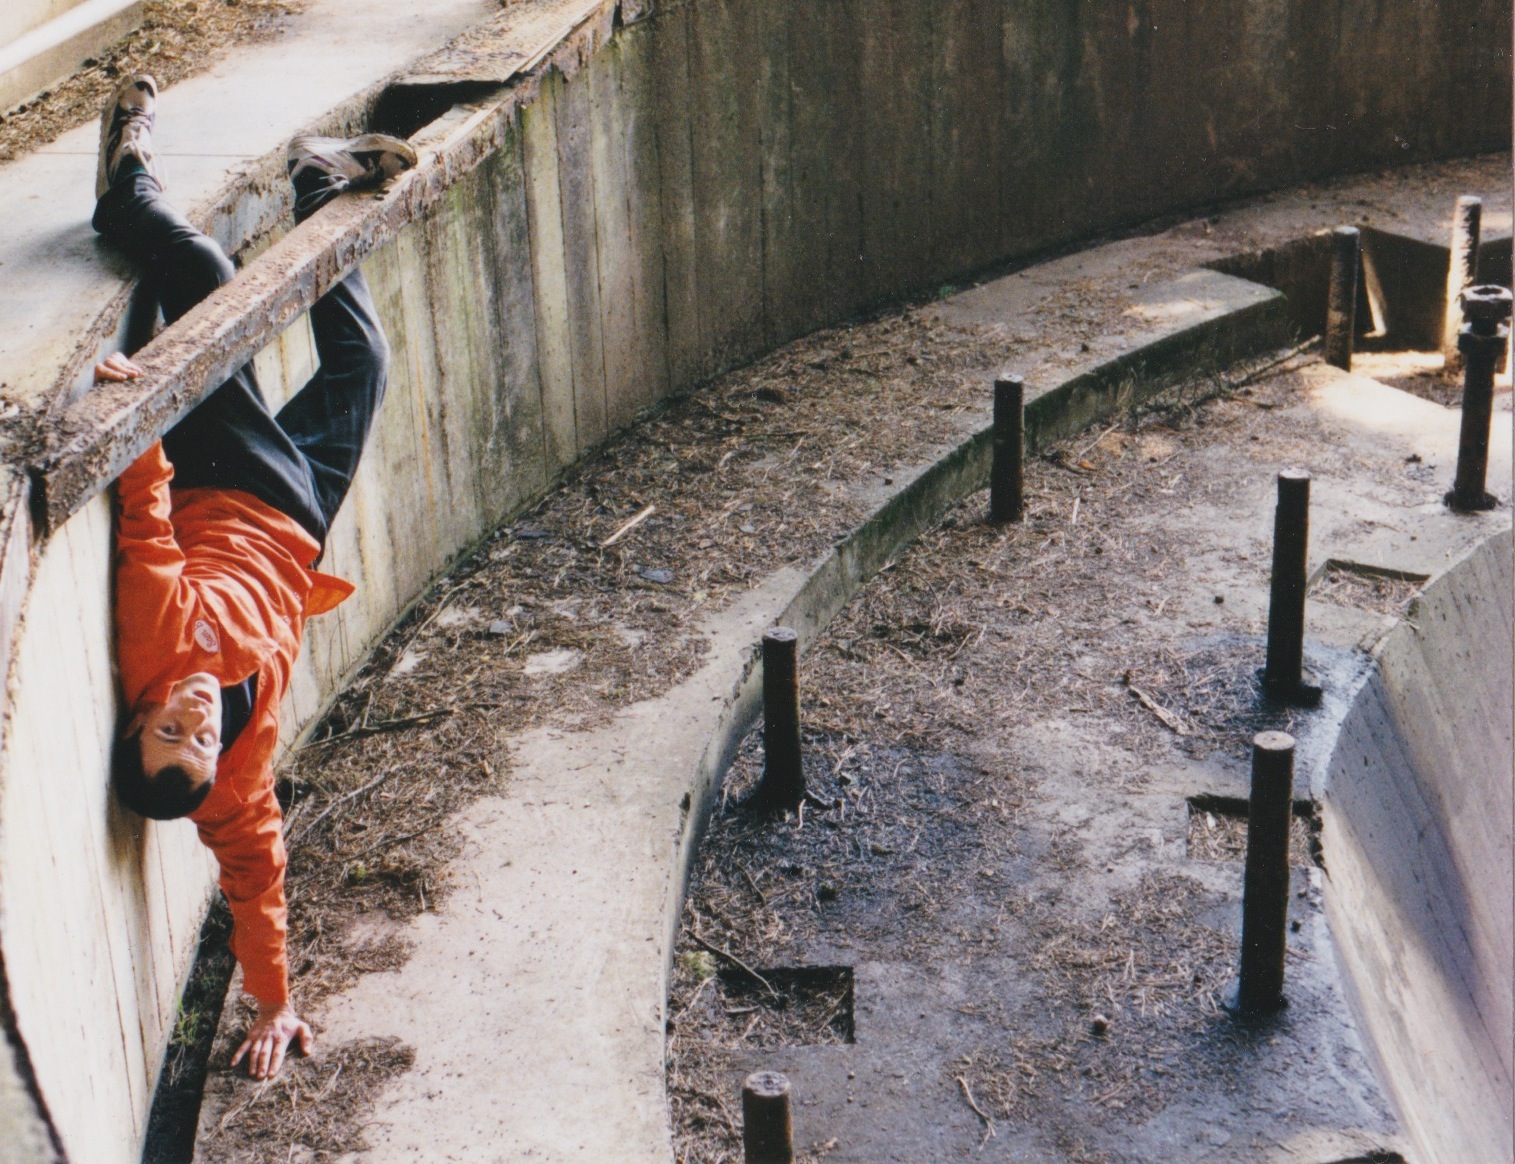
[[667, 199], [1417, 837]]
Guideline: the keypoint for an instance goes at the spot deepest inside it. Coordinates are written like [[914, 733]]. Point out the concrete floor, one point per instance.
[[544, 1039]]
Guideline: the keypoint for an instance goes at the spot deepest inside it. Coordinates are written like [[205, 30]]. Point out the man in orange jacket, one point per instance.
[[218, 530]]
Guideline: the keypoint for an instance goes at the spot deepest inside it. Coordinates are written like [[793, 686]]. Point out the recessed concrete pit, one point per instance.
[[695, 310]]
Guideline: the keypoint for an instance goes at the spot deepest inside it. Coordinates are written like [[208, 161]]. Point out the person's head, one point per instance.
[[164, 763]]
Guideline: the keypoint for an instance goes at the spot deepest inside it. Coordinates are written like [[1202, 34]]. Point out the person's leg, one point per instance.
[[230, 440], [330, 418]]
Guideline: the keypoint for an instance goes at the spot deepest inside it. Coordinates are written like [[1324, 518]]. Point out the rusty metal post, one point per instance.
[[1265, 891], [1462, 272], [1341, 299], [1007, 493], [783, 783], [767, 1133], [1283, 673], [1482, 343]]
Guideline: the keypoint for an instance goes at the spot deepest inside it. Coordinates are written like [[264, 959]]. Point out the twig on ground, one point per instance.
[[386, 725], [734, 960], [628, 527], [978, 1111], [340, 800]]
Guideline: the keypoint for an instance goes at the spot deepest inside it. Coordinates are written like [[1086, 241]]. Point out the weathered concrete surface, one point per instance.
[[1418, 836], [577, 871], [43, 41], [664, 208]]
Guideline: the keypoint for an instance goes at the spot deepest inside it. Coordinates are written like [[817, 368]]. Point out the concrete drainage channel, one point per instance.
[[1204, 318], [1371, 738]]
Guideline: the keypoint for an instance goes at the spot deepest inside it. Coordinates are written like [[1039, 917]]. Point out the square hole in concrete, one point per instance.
[[1372, 588], [1218, 831], [787, 1006]]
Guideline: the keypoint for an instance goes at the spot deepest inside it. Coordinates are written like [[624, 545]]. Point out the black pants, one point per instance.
[[302, 461]]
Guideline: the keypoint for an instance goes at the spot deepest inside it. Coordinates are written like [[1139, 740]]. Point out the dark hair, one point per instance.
[[167, 794]]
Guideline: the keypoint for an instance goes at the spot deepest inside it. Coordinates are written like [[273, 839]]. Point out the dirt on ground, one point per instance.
[[581, 606], [177, 39], [924, 842], [586, 603]]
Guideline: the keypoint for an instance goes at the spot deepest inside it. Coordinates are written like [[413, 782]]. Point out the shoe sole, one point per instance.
[[107, 116]]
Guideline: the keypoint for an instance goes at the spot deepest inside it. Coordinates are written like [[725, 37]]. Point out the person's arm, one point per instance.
[[249, 847]]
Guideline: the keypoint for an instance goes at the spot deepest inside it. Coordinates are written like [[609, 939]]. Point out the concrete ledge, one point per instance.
[[38, 59]]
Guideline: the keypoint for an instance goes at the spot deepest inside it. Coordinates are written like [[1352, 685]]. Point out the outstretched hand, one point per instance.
[[269, 1038], [115, 368]]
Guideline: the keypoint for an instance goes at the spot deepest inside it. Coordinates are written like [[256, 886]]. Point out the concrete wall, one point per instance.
[[666, 202], [22, 16], [43, 41], [1417, 836]]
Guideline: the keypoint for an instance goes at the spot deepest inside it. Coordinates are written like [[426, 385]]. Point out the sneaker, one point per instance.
[[320, 168], [126, 130]]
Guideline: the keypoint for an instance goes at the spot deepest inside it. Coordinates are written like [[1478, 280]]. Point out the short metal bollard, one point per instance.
[[1283, 673], [1007, 491], [1482, 342], [767, 1133], [1462, 272], [783, 783], [1341, 298], [1265, 893]]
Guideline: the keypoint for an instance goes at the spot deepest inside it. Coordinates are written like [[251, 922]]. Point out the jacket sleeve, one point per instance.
[[249, 847]]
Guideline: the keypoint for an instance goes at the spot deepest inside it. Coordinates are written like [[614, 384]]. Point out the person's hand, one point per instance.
[[269, 1037], [115, 368]]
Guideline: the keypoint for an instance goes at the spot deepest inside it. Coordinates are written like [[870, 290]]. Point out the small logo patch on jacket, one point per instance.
[[206, 637]]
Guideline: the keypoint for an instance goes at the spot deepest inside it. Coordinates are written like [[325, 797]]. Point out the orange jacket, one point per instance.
[[215, 580]]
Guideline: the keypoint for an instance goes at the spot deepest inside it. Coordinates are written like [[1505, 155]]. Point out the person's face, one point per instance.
[[186, 730]]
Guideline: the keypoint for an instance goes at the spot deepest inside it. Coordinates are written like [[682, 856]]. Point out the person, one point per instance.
[[218, 530]]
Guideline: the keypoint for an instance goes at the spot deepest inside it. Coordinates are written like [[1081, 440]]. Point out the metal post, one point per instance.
[[1341, 299], [1283, 674], [1265, 893], [1462, 271], [767, 1134], [783, 783], [1482, 342], [1007, 475]]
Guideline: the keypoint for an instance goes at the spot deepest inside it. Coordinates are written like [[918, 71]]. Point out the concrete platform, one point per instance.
[[585, 853], [56, 279]]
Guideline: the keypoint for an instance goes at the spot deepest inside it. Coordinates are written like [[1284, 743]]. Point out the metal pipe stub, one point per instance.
[[783, 783], [1283, 673], [1462, 272], [1007, 491], [767, 1133], [1482, 341], [1341, 297], [1265, 893]]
